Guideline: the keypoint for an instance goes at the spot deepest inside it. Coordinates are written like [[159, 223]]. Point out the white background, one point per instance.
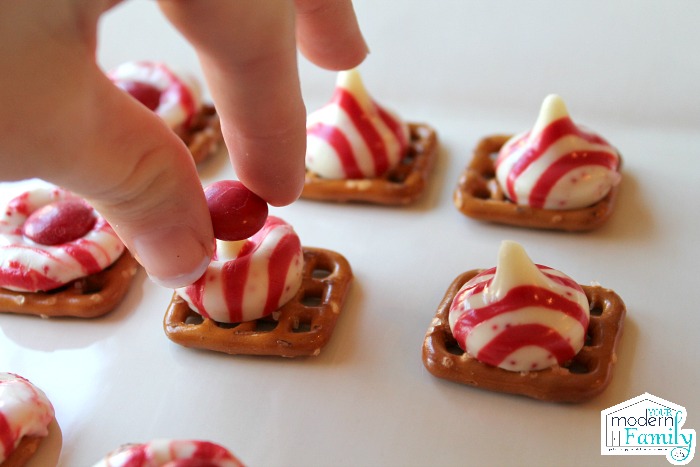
[[470, 68]]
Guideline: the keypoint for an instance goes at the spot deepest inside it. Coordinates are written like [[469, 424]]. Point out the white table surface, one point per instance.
[[470, 68]]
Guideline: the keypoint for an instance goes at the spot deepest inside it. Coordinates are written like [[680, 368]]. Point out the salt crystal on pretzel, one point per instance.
[[166, 452], [25, 414]]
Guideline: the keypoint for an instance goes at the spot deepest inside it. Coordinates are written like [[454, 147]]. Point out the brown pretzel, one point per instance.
[[303, 327], [478, 195], [203, 135], [584, 377], [23, 452], [87, 297], [401, 185]]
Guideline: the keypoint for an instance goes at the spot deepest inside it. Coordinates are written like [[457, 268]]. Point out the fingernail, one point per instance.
[[172, 256]]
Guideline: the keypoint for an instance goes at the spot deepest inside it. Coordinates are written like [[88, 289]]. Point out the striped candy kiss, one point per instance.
[[28, 266], [250, 278], [520, 316], [557, 165], [171, 452], [176, 100], [352, 136], [24, 411]]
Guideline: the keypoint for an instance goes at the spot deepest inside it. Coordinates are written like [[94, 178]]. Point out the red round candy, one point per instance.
[[59, 222], [236, 212], [145, 93]]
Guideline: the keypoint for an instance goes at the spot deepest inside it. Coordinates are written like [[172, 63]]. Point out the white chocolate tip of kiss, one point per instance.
[[514, 268], [228, 250], [553, 108], [351, 81]]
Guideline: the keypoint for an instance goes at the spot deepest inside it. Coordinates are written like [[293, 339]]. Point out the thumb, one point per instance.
[[141, 177], [64, 121]]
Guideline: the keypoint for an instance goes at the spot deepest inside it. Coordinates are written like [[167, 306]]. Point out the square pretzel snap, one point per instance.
[[402, 185], [87, 297], [301, 327], [479, 196], [583, 378]]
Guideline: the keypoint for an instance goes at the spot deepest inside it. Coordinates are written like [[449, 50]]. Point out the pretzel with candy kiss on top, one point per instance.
[[557, 176], [25, 415], [360, 151], [263, 293], [176, 100], [525, 329], [59, 257]]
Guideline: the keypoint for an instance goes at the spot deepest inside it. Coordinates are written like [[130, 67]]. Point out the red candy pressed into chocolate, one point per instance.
[[236, 212], [59, 222], [145, 93]]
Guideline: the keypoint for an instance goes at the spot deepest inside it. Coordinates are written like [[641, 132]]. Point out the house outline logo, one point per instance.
[[647, 425]]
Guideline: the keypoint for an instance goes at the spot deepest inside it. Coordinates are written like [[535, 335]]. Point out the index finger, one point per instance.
[[247, 49]]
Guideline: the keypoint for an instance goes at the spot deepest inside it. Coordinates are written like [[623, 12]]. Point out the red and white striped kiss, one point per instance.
[[352, 136], [250, 278], [172, 453], [557, 165], [25, 411], [49, 237], [173, 98], [520, 316]]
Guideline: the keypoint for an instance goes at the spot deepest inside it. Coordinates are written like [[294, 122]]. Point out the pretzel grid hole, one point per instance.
[[596, 309], [577, 367], [594, 333], [452, 346], [320, 273], [487, 187], [582, 363], [401, 172], [312, 300], [488, 171], [194, 319], [302, 327], [481, 191], [405, 167], [315, 294], [89, 285], [265, 325]]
